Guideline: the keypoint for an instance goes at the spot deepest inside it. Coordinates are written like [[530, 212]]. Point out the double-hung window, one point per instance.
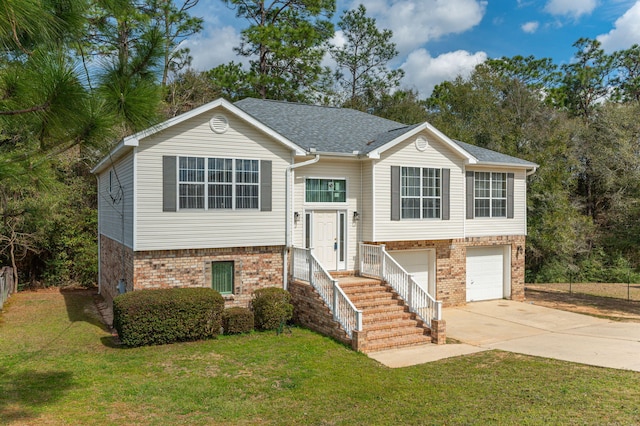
[[490, 194], [230, 183], [420, 193], [191, 182]]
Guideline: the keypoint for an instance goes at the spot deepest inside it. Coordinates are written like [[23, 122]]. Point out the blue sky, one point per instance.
[[440, 39]]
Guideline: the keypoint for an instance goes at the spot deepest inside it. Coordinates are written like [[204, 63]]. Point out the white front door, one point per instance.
[[324, 239]]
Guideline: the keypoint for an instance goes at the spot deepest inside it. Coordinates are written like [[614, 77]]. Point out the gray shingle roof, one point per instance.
[[326, 129], [343, 130], [488, 156]]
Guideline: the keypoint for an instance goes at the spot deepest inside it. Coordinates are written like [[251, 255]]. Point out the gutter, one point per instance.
[[288, 205]]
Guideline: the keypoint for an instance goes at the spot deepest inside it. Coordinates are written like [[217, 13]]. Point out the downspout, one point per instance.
[[288, 206]]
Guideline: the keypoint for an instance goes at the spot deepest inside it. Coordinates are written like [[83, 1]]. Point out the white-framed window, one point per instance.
[[191, 182], [490, 194], [230, 183], [325, 190], [420, 193]]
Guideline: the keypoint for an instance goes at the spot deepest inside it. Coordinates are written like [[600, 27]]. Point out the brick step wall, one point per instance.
[[386, 319]]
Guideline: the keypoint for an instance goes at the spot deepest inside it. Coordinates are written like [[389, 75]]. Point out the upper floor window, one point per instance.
[[229, 183], [490, 194], [326, 190], [420, 193]]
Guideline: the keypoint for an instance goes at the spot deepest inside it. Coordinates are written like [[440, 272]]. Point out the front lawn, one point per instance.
[[59, 366]]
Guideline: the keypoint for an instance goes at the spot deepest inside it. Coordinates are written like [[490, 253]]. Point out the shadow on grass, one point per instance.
[[81, 306], [22, 392]]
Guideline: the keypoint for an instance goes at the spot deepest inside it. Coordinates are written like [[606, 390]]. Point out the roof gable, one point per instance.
[[134, 140]]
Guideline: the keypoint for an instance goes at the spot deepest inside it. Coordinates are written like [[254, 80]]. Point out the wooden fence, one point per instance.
[[7, 284]]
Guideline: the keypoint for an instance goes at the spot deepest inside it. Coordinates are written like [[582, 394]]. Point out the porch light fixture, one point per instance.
[[519, 251], [356, 216], [296, 216]]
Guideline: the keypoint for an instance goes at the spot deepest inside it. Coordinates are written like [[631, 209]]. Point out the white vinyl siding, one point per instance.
[[489, 226], [436, 156], [199, 228], [348, 171], [115, 200]]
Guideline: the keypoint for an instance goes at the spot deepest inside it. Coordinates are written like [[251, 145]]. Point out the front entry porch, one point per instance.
[[379, 307]]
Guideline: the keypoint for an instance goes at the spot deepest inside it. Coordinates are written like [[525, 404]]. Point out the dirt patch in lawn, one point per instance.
[[604, 307]]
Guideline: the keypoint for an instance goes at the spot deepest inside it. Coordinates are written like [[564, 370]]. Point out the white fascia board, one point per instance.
[[469, 159], [115, 154], [508, 165], [134, 140]]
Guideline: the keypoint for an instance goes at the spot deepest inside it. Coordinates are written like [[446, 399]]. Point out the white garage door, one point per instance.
[[418, 263], [485, 273]]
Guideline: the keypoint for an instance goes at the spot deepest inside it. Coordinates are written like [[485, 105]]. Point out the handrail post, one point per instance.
[[410, 288], [335, 299], [359, 320], [310, 260], [383, 262], [438, 311]]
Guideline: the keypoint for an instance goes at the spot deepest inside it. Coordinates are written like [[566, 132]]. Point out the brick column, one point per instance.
[[438, 332]]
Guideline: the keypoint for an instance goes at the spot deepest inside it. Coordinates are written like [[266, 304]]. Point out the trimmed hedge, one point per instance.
[[156, 317], [237, 320], [271, 307]]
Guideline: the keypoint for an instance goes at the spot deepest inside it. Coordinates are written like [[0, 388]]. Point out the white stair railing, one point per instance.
[[307, 268], [376, 262]]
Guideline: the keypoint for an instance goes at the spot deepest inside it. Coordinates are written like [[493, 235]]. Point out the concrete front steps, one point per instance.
[[385, 317]]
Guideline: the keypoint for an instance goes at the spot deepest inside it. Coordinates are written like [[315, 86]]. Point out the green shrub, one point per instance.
[[237, 320], [156, 317], [271, 307]]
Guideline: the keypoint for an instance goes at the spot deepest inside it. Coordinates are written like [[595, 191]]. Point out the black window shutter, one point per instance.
[[469, 195], [395, 192], [510, 178], [169, 184], [445, 193], [265, 185]]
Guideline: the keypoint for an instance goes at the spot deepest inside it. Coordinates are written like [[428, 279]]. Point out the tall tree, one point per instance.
[[364, 58], [587, 81], [284, 43], [176, 24]]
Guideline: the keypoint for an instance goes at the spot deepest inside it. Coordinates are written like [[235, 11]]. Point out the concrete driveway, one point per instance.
[[535, 330], [528, 329]]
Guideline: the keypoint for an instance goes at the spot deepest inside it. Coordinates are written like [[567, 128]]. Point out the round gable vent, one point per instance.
[[421, 143], [219, 123]]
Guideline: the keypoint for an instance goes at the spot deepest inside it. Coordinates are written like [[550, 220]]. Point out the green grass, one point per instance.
[[59, 366]]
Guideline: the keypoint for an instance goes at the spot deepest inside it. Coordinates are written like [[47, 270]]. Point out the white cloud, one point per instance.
[[214, 47], [571, 8], [424, 72], [625, 33], [415, 22], [530, 27]]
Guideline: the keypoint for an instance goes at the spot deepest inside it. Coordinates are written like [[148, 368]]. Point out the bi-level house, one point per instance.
[[258, 193]]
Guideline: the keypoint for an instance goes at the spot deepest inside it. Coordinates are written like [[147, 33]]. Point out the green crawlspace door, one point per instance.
[[222, 277]]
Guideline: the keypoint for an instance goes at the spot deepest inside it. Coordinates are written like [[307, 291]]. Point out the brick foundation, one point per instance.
[[112, 256], [451, 264], [311, 312], [254, 268]]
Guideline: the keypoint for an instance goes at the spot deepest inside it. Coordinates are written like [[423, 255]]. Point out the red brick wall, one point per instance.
[[311, 312], [254, 267], [111, 267], [451, 264]]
